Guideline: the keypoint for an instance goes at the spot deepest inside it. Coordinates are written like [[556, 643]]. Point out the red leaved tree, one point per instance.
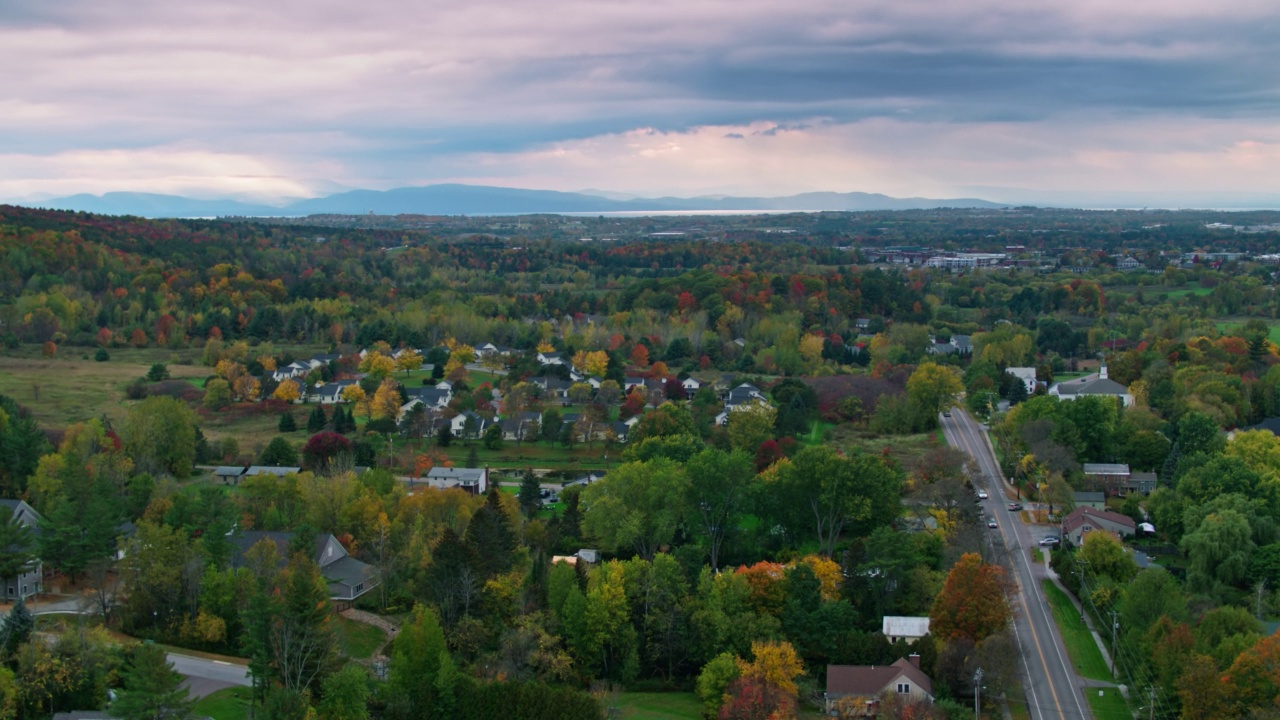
[[973, 603]]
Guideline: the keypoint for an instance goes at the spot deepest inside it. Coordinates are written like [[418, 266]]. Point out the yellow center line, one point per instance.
[[1022, 596]]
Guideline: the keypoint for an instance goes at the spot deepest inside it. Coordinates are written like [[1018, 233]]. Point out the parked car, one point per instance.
[[991, 522], [982, 494], [1051, 541], [1014, 507]]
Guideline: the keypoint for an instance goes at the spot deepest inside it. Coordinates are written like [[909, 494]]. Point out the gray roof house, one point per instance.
[[1084, 520], [473, 480], [329, 393], [28, 582], [1098, 385], [347, 577]]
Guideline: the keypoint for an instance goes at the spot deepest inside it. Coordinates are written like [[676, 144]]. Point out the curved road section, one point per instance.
[[1053, 688]]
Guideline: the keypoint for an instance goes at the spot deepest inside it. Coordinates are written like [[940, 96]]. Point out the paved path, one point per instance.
[[207, 676], [1053, 688]]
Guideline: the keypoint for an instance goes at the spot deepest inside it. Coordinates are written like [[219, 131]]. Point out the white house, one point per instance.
[[1097, 385], [900, 627], [690, 384], [1027, 375]]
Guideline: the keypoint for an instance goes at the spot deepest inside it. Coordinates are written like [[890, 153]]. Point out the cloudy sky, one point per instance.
[[1013, 100]]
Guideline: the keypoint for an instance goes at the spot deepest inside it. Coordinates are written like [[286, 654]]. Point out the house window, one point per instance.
[[904, 688], [10, 591], [359, 588]]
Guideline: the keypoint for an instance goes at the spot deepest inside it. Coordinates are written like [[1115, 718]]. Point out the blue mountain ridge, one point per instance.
[[457, 199]]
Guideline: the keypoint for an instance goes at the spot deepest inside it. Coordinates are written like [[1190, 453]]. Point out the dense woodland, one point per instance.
[[738, 560]]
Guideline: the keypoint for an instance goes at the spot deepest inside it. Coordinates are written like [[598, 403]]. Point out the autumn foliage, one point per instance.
[[973, 603]]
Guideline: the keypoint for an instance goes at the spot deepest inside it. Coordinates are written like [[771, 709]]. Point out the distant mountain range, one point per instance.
[[456, 199]]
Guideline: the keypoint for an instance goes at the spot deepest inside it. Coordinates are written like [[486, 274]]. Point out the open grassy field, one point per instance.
[[1085, 656], [659, 706], [228, 704], [63, 391], [1229, 325], [904, 449]]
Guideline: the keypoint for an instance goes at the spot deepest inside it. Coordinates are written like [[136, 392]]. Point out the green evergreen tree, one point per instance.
[[279, 452], [316, 420], [530, 495], [302, 638], [17, 627], [491, 536], [16, 544], [287, 423], [152, 688]]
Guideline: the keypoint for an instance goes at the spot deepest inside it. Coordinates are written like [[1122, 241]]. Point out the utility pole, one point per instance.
[[977, 694], [1115, 625], [1151, 703]]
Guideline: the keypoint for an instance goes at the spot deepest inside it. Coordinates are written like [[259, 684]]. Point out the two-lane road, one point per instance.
[[1053, 689]]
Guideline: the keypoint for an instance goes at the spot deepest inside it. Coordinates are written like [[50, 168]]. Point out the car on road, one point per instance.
[[1051, 541], [946, 413], [991, 522], [982, 494], [1015, 507]]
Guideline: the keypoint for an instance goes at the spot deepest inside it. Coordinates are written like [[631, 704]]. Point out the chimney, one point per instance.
[[915, 660], [1102, 372]]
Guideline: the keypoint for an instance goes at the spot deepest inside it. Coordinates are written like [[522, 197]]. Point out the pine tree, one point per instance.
[[302, 638], [530, 495], [152, 688], [491, 536], [316, 420], [16, 544], [287, 423], [17, 627]]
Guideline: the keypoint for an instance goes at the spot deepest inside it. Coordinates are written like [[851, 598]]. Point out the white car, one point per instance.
[[982, 494]]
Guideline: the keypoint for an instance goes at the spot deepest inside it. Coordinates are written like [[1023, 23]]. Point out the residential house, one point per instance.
[[553, 388], [347, 577], [436, 398], [957, 345], [1027, 375], [743, 397], [28, 582], [1139, 482], [1095, 500], [472, 480], [900, 627], [551, 358], [458, 424], [1096, 385], [1128, 263], [902, 678], [1084, 520], [521, 426], [329, 393], [631, 383], [1108, 477], [690, 384]]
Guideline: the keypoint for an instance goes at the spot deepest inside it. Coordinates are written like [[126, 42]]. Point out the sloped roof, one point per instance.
[[1092, 385], [1081, 515], [871, 679], [904, 626]]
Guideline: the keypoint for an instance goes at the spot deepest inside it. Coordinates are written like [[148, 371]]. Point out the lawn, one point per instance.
[[659, 706], [1084, 652], [227, 704], [1225, 327], [531, 454], [358, 640], [1183, 292], [1110, 706], [816, 433]]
